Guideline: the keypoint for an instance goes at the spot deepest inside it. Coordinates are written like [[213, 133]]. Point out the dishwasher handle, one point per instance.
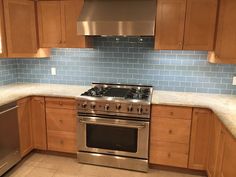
[[10, 109]]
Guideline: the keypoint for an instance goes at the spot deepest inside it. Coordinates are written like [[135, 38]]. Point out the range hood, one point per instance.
[[117, 18]]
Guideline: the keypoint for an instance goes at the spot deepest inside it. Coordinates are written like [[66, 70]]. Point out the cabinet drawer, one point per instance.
[[62, 141], [60, 103], [171, 154], [171, 130], [171, 112], [61, 119]]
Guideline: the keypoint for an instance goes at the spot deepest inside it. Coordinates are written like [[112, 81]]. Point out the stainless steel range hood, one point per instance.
[[117, 18]]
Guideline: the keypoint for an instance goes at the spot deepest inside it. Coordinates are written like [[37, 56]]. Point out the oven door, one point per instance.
[[113, 136]]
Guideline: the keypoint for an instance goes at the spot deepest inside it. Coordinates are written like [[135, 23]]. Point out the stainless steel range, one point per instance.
[[113, 126]]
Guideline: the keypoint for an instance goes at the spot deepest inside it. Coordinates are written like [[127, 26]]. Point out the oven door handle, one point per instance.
[[96, 122]]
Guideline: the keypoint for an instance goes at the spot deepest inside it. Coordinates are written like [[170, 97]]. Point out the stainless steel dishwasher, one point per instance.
[[9, 137]]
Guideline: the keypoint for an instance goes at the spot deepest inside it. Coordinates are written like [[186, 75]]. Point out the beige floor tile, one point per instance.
[[41, 172], [42, 165], [70, 167], [52, 162], [19, 171], [59, 174], [34, 159]]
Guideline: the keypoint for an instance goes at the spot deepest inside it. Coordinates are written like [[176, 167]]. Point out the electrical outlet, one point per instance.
[[234, 80], [53, 71]]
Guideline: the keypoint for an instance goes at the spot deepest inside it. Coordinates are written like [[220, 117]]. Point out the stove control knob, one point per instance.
[[118, 106], [130, 108], [140, 109], [84, 105], [93, 105], [106, 107]]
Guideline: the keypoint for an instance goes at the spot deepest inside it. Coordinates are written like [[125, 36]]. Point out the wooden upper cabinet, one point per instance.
[[72, 9], [39, 123], [20, 28], [226, 34], [200, 135], [185, 24], [2, 33], [200, 24], [170, 24], [57, 24], [25, 126], [50, 23], [214, 143]]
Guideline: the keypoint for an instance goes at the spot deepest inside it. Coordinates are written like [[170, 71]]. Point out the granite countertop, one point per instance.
[[15, 92], [224, 106]]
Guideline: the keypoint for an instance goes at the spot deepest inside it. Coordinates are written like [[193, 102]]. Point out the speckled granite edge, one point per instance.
[[224, 106]]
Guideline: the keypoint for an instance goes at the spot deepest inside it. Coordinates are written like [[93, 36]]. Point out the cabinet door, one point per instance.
[[49, 23], [199, 139], [38, 123], [170, 132], [227, 159], [226, 34], [20, 28], [70, 12], [25, 129], [213, 145], [2, 33], [170, 24], [200, 24]]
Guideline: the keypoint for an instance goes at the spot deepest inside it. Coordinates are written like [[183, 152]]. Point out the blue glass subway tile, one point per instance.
[[125, 60]]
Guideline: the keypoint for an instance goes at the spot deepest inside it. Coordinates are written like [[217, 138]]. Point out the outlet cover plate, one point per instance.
[[234, 80], [53, 71]]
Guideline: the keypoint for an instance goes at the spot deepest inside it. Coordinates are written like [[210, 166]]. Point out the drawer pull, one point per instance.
[[170, 131], [171, 113]]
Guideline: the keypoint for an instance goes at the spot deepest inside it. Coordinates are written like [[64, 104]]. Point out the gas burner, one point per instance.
[[117, 91], [96, 91], [138, 93], [116, 100]]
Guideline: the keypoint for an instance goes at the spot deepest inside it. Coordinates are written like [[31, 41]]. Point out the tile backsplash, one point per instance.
[[8, 69], [130, 60]]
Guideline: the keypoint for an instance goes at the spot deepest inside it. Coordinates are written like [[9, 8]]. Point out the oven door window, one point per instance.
[[112, 138]]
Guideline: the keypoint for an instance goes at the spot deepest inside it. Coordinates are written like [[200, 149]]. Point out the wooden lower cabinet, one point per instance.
[[38, 123], [213, 149], [170, 133], [61, 141], [61, 125], [171, 154], [25, 126], [226, 156], [200, 136], [171, 130]]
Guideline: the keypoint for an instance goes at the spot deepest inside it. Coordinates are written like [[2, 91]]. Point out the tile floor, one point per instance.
[[43, 165]]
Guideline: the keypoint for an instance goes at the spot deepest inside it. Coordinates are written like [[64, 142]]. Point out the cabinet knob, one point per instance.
[[60, 103], [169, 155], [171, 113], [180, 43], [61, 121], [61, 142], [170, 131]]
